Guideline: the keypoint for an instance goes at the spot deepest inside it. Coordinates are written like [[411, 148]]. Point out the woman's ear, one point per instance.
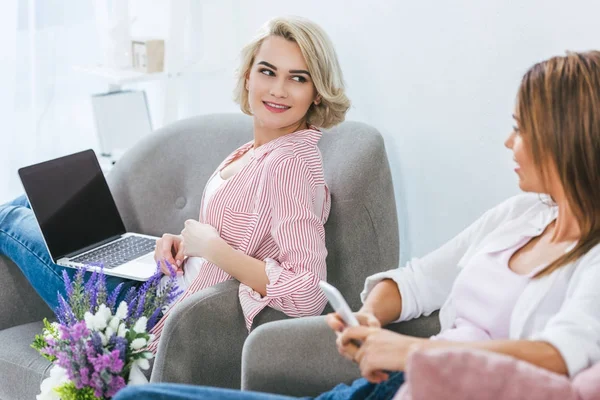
[[317, 100]]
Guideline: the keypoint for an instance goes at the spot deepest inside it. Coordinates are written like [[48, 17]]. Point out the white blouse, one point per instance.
[[562, 308]]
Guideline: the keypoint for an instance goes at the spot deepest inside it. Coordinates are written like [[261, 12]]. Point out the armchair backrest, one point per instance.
[[158, 184]]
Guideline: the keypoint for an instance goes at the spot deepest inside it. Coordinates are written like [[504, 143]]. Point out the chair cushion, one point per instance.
[[22, 369]]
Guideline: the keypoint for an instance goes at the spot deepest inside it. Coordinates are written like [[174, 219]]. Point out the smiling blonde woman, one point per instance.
[[269, 197]]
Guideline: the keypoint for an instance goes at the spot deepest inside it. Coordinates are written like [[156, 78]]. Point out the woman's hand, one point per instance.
[[365, 318], [200, 240], [169, 249], [381, 350]]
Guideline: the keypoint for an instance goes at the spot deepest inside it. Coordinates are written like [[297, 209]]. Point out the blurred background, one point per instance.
[[437, 78]]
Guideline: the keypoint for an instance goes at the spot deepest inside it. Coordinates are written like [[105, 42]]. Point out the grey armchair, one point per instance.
[[157, 185], [299, 358]]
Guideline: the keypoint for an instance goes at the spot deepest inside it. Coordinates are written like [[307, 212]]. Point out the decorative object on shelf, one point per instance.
[[96, 347], [113, 25], [148, 55]]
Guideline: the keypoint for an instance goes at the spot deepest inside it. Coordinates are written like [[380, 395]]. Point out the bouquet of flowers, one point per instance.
[[97, 346]]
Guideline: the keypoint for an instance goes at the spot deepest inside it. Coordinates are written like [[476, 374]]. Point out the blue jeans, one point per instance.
[[22, 242], [361, 389]]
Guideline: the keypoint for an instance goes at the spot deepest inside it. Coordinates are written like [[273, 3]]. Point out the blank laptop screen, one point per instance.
[[72, 202]]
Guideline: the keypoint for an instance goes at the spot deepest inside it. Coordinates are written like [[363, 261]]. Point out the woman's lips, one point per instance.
[[275, 107]]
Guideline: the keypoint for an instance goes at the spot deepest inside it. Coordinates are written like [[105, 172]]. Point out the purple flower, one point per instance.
[[119, 344], [129, 297], [79, 331], [153, 319], [112, 299], [64, 313], [90, 283], [96, 342], [68, 284], [117, 383]]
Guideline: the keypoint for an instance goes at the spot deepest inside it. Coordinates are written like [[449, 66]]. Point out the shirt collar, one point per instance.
[[311, 135]]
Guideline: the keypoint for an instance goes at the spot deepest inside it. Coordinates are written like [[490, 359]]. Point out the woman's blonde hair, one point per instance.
[[559, 111], [320, 56]]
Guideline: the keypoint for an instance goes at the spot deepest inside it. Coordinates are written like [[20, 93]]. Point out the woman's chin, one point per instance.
[[274, 122]]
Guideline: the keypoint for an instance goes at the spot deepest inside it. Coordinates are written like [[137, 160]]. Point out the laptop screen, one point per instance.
[[72, 202]]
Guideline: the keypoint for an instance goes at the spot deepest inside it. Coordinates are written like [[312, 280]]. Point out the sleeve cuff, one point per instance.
[[395, 275]]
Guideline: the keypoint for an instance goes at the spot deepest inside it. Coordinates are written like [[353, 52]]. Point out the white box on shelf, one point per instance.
[[148, 55]]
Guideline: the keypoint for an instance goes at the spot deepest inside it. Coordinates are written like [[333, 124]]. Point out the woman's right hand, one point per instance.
[[169, 248], [364, 317], [337, 324]]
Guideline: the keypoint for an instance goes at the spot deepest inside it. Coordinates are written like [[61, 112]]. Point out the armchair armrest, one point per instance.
[[203, 338], [19, 303], [298, 357]]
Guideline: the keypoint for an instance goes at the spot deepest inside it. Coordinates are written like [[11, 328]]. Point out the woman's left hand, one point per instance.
[[381, 350], [200, 240]]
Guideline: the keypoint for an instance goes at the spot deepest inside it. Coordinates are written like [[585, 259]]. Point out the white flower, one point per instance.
[[138, 343], [103, 338], [109, 332], [98, 321], [114, 323], [49, 336], [122, 330], [122, 311], [136, 376], [58, 377], [88, 317], [140, 325], [143, 363], [105, 312]]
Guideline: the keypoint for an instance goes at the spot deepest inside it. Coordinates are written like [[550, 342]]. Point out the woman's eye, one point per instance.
[[267, 72], [516, 130], [300, 79]]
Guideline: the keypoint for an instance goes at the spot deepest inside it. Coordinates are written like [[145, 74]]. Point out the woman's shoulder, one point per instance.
[[523, 205], [296, 150]]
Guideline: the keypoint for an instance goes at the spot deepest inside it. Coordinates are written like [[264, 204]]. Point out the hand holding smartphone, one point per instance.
[[339, 304]]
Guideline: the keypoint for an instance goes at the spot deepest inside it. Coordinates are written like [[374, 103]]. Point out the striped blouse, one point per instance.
[[274, 210]]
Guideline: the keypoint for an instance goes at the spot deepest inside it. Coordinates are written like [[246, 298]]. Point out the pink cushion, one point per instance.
[[460, 374]]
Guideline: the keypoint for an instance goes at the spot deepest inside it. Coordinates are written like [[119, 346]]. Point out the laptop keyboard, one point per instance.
[[118, 252]]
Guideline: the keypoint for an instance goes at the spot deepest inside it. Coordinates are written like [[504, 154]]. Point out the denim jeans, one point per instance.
[[360, 389], [22, 242]]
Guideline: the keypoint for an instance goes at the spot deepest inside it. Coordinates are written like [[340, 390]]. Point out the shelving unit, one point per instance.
[[116, 78]]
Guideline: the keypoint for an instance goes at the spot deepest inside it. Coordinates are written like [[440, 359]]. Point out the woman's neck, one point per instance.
[[264, 135], [566, 228]]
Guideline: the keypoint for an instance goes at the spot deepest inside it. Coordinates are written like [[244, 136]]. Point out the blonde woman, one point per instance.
[[269, 198], [522, 280]]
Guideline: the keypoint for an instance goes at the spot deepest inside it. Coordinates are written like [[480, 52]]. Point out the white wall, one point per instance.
[[437, 78]]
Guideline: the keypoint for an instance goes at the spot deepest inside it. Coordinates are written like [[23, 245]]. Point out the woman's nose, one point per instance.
[[278, 89], [508, 143]]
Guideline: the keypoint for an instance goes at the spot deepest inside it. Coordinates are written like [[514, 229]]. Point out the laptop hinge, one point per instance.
[[93, 246]]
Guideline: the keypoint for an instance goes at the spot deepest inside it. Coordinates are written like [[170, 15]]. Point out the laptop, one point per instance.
[[79, 220]]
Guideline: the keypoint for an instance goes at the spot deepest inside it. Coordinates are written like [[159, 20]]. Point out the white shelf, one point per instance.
[[120, 76]]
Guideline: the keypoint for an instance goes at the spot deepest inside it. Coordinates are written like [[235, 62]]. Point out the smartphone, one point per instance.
[[339, 304]]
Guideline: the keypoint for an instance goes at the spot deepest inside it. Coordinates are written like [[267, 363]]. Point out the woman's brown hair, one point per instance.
[[559, 112]]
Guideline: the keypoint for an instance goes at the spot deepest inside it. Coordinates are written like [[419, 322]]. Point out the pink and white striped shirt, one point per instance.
[[274, 210]]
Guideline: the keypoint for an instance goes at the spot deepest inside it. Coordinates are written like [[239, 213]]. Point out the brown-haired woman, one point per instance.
[[522, 280]]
